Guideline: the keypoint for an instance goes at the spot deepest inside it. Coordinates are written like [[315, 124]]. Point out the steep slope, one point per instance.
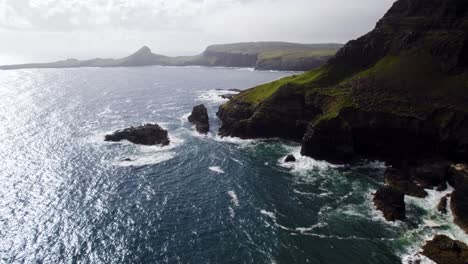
[[399, 92]]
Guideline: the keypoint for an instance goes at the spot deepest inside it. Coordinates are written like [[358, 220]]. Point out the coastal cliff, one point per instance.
[[401, 89]]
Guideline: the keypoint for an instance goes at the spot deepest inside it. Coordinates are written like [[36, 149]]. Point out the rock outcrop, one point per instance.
[[391, 202], [459, 198], [399, 92], [442, 206], [290, 158], [148, 134], [199, 118], [444, 250], [401, 180]]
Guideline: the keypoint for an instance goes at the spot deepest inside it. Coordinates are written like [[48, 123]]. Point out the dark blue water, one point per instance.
[[68, 197]]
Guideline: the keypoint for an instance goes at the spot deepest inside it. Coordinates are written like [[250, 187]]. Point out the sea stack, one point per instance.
[[148, 134], [199, 118], [391, 202]]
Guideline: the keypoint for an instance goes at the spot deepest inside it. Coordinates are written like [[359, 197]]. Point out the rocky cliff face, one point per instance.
[[400, 91]]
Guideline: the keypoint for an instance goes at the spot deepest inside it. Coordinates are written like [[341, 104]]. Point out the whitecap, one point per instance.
[[269, 214], [138, 161], [214, 96], [216, 169], [235, 140], [234, 199]]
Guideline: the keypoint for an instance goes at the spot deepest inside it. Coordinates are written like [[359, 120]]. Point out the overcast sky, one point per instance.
[[44, 30]]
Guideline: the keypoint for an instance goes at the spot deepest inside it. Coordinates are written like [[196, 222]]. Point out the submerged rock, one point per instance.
[[290, 158], [148, 134], [199, 118], [391, 202], [444, 250]]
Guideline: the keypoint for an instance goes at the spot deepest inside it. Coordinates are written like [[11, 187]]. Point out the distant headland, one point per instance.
[[282, 56]]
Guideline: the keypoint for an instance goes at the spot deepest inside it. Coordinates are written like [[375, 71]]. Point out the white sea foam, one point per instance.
[[234, 199], [269, 214], [216, 169], [214, 96], [416, 258], [234, 140], [304, 164], [232, 213], [143, 160]]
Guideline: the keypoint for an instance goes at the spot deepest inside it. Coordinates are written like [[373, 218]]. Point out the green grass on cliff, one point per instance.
[[410, 84], [264, 91]]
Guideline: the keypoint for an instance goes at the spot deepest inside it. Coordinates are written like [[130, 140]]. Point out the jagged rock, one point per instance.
[[444, 250], [442, 187], [391, 202], [290, 158], [401, 181], [148, 134], [199, 118], [442, 206], [431, 173], [458, 176], [227, 96]]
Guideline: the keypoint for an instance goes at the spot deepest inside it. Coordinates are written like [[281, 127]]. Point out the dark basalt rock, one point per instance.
[[290, 158], [442, 206], [459, 198], [149, 134], [400, 180], [444, 250], [431, 173], [458, 175], [280, 118], [199, 118], [391, 202]]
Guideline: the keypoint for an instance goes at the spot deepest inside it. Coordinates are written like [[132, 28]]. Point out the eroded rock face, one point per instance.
[[459, 198], [148, 134], [400, 180], [199, 118], [444, 250], [391, 202]]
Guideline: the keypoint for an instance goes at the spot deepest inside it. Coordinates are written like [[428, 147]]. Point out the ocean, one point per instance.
[[66, 196]]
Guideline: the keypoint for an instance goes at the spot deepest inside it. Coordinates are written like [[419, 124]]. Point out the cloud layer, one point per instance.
[[91, 27]]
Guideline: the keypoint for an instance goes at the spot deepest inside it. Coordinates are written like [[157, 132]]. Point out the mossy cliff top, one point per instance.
[[404, 83]]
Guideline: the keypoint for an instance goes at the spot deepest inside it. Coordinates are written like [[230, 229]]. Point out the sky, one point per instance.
[[47, 30]]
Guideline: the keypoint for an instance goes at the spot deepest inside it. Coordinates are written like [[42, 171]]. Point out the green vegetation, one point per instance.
[[262, 92], [296, 54]]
